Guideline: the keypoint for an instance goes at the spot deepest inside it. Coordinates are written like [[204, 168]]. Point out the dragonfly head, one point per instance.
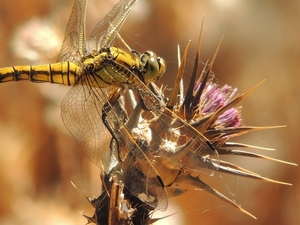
[[153, 66]]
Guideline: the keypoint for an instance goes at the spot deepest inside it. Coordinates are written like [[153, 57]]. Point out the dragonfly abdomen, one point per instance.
[[64, 73]]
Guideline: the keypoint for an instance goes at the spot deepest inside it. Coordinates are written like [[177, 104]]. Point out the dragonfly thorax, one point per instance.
[[119, 65]]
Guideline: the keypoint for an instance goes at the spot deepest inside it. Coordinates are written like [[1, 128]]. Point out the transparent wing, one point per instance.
[[73, 47], [105, 31], [81, 111]]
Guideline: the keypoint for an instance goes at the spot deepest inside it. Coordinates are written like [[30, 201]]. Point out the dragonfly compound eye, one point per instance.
[[153, 66]]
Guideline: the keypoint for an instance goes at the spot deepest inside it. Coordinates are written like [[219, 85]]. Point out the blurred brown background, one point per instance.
[[39, 158]]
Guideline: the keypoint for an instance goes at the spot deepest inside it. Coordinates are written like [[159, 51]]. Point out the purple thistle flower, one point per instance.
[[214, 98]]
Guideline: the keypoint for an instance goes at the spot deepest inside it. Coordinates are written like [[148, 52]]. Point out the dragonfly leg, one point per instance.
[[115, 123], [123, 43]]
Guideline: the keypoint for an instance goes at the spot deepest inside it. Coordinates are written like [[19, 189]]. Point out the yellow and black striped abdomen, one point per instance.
[[64, 73]]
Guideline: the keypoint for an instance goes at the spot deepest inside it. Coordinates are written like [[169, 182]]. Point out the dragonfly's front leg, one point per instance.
[[107, 108], [114, 120]]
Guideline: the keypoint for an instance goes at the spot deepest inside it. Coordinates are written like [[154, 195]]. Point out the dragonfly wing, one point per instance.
[[73, 47], [105, 31], [81, 111]]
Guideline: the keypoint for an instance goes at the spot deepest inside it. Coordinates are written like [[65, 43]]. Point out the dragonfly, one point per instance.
[[99, 73]]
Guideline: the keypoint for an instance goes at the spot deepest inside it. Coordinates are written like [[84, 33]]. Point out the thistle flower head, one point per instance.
[[173, 145]]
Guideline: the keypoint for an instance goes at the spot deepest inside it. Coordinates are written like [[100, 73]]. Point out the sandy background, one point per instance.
[[39, 158]]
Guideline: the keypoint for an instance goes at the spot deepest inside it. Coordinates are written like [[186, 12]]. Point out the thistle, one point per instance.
[[182, 141], [189, 136]]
